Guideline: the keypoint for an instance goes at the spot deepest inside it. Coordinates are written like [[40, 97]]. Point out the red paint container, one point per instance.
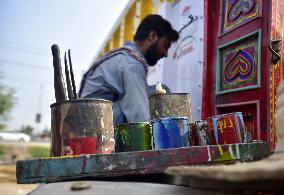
[[227, 128], [82, 126]]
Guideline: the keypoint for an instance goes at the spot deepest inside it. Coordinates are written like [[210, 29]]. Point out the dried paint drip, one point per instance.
[[133, 137], [82, 126], [170, 105], [171, 132]]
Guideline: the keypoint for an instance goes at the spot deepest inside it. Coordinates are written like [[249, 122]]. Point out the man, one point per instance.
[[120, 76]]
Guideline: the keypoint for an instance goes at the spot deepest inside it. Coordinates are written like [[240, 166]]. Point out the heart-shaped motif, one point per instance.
[[241, 67], [239, 7]]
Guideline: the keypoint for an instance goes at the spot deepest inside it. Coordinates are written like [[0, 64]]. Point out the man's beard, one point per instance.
[[151, 55]]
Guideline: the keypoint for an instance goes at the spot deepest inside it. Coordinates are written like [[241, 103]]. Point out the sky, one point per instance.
[[27, 31]]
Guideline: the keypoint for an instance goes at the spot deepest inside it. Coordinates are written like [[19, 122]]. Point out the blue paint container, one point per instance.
[[170, 132]]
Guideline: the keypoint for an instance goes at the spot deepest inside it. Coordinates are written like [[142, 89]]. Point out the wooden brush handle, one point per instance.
[[59, 88]]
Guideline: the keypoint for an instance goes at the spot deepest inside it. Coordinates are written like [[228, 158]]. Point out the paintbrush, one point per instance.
[[68, 82], [72, 75], [59, 88]]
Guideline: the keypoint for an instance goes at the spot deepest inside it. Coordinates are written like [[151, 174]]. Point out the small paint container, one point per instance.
[[192, 134], [133, 137], [170, 132], [170, 105], [228, 128], [203, 137], [81, 126]]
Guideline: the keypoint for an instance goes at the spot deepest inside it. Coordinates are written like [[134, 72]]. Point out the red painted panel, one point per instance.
[[210, 33], [213, 40]]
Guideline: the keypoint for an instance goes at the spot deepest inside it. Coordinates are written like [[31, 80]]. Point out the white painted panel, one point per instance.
[[182, 71]]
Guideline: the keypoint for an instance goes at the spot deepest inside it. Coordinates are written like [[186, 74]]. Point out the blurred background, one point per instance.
[[28, 29], [89, 28]]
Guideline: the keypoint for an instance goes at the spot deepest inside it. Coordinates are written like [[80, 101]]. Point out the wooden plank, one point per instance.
[[133, 163]]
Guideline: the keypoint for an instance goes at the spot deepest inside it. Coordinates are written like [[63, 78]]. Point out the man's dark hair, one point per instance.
[[157, 23]]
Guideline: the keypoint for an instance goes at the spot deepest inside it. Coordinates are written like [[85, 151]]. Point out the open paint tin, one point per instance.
[[82, 126], [170, 105], [203, 136], [170, 132], [133, 137], [228, 128]]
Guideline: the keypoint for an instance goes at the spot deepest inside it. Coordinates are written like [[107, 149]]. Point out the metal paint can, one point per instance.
[[203, 135], [170, 105], [81, 126], [228, 128], [192, 134], [170, 132], [133, 137]]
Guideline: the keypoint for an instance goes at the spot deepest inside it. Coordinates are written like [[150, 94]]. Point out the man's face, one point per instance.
[[157, 50]]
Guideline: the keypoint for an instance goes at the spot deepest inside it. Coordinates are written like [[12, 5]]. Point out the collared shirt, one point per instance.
[[122, 80]]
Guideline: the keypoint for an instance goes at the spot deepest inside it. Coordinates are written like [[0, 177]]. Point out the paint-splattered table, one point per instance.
[[133, 163]]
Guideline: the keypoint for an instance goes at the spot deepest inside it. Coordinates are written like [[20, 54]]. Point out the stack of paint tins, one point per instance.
[[220, 129], [170, 116]]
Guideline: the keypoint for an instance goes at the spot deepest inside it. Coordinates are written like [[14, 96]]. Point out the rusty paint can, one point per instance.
[[82, 126], [192, 134], [170, 132], [228, 128], [170, 105], [204, 137], [133, 137]]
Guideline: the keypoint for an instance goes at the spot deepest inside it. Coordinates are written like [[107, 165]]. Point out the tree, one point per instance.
[[27, 129], [46, 132], [7, 102]]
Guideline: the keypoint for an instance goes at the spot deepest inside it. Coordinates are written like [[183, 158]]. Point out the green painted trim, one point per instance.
[[218, 63]]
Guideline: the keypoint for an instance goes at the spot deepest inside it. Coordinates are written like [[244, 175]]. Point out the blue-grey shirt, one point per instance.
[[122, 80]]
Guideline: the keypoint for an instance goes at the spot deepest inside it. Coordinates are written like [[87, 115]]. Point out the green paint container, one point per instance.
[[133, 137]]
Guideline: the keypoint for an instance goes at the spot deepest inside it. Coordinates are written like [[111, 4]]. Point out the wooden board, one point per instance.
[[133, 163]]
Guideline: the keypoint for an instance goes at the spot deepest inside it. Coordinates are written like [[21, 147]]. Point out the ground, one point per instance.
[[8, 182], [10, 152]]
